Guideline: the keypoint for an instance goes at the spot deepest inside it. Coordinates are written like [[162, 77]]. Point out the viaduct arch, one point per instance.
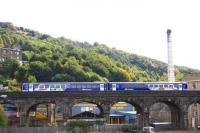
[[178, 102]]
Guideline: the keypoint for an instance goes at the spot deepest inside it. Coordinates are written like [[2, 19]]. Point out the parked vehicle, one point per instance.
[[148, 130]]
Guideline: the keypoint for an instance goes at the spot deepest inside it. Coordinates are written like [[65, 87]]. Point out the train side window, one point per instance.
[[166, 86], [78, 86], [89, 86], [155, 86], [171, 86], [160, 86], [94, 86], [62, 86], [84, 86], [57, 86], [51, 86], [41, 86], [67, 85], [73, 86], [97, 85], [46, 86], [151, 86]]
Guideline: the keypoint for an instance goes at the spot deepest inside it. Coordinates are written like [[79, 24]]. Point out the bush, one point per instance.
[[79, 124], [3, 118], [127, 128]]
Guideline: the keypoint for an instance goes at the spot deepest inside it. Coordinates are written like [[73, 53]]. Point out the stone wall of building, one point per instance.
[[193, 81], [7, 53]]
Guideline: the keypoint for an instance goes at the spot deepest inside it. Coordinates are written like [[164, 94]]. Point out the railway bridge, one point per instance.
[[177, 101]]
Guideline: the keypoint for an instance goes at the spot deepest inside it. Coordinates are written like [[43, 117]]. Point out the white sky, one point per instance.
[[135, 26]]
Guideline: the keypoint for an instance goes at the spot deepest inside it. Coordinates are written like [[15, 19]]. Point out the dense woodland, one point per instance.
[[61, 59]]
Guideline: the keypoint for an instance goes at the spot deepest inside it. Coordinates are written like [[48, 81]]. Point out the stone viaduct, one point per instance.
[[177, 101]]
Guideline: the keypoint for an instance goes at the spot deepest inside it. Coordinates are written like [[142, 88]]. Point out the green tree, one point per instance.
[[21, 74], [94, 77], [63, 78], [13, 86], [9, 67], [1, 43], [41, 71], [31, 79], [3, 117]]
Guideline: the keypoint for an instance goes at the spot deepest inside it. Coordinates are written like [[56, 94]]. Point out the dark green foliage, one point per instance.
[[3, 117], [60, 59], [127, 128], [21, 74], [79, 126], [9, 67]]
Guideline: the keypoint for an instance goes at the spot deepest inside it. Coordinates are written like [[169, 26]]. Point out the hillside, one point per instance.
[[61, 59]]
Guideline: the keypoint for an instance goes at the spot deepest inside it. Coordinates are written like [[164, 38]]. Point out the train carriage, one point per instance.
[[64, 86], [153, 86]]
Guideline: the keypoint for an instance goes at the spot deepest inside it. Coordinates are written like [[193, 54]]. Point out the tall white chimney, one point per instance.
[[170, 57]]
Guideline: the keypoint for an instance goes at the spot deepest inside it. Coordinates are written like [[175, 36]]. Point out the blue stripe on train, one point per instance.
[[82, 89]]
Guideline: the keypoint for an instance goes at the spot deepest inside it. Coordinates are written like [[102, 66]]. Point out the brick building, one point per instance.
[[193, 81]]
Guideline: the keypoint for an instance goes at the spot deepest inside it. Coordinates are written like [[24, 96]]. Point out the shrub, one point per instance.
[[3, 117], [127, 128], [79, 124]]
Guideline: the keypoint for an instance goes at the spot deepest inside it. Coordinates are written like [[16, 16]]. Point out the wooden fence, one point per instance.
[[92, 129]]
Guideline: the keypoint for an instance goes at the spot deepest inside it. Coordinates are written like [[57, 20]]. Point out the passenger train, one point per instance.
[[101, 86]]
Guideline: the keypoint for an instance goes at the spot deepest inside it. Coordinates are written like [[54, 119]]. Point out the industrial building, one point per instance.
[[193, 81]]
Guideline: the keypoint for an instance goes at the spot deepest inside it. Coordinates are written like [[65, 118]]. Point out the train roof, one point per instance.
[[106, 82], [150, 82], [62, 82]]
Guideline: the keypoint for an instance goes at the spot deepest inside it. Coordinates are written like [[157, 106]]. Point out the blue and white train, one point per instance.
[[101, 86]]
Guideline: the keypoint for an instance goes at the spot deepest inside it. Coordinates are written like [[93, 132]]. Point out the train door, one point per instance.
[[180, 88], [113, 87], [31, 87], [101, 87]]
